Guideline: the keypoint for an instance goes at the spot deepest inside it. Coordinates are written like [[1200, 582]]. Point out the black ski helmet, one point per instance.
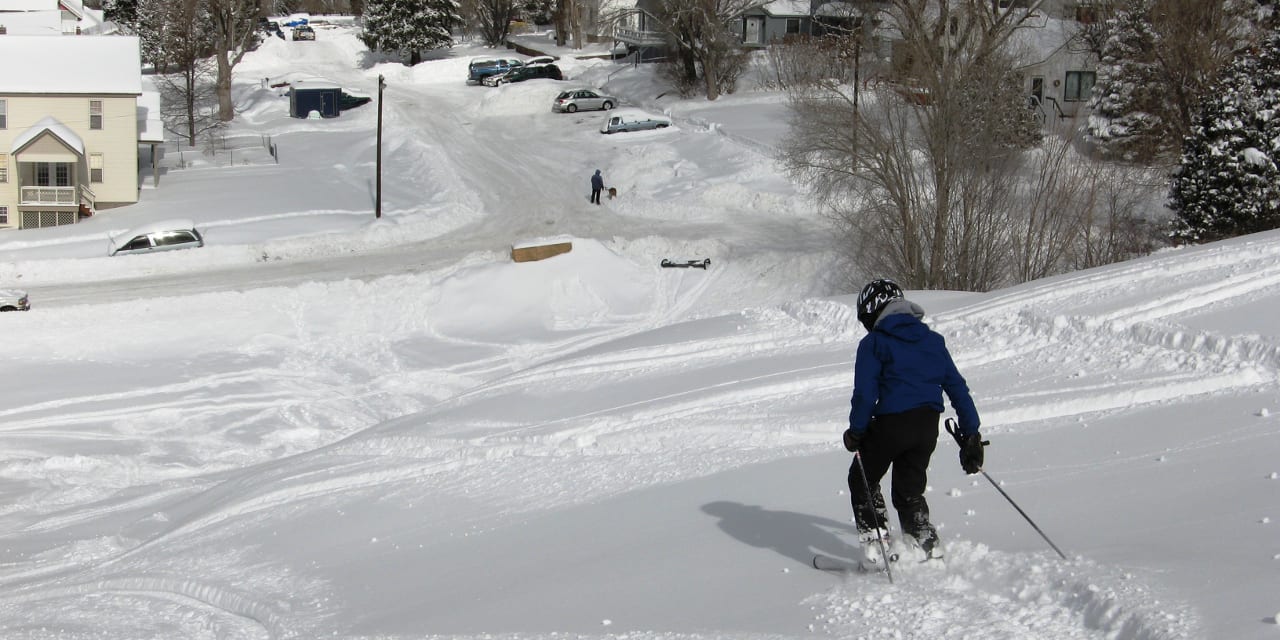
[[874, 297]]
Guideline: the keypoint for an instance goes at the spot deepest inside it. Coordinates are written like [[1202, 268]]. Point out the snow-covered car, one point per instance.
[[633, 120], [304, 32], [539, 60], [575, 100], [14, 300], [482, 68], [520, 74], [165, 235]]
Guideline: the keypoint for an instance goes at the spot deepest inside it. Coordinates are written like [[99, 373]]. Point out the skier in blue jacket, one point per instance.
[[902, 369]]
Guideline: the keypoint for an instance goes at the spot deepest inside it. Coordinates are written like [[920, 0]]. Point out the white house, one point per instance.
[[69, 130], [49, 17], [1057, 67]]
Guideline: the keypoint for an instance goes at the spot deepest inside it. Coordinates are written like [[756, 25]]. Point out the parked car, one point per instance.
[[13, 300], [520, 74], [165, 235], [298, 19], [575, 100], [633, 120], [304, 33], [482, 68], [539, 60]]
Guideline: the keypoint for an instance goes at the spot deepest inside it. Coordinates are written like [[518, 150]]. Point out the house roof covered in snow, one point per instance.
[[54, 127], [28, 5], [781, 8], [96, 65], [32, 23]]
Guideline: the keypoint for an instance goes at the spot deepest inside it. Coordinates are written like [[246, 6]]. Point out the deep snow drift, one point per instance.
[[322, 425]]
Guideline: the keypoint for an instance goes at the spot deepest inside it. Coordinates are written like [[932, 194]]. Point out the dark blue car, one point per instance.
[[482, 68]]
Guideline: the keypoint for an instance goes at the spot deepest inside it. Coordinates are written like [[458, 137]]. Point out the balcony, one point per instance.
[[639, 38], [56, 196]]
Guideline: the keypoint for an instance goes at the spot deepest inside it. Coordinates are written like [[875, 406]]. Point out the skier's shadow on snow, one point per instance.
[[795, 535]]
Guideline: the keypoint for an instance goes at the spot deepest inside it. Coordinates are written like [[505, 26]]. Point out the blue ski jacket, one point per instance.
[[901, 365], [597, 181]]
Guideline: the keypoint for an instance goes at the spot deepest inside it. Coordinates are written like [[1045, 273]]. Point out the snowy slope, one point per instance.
[[388, 430]]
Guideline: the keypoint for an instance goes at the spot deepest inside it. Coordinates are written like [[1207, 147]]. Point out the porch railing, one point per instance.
[[66, 196], [637, 37]]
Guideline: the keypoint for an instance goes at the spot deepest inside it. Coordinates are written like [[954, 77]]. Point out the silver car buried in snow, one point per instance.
[[164, 235]]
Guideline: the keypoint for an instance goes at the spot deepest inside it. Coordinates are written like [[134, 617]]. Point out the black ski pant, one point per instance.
[[595, 195], [904, 441]]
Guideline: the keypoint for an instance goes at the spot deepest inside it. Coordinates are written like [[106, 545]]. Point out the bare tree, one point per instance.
[[699, 32], [188, 88], [493, 17], [1122, 224], [561, 17], [918, 172], [234, 34]]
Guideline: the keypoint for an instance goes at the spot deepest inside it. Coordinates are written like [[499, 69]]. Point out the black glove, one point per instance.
[[971, 453], [852, 440]]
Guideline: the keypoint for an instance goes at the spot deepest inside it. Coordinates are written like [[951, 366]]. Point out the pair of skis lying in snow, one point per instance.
[[686, 264]]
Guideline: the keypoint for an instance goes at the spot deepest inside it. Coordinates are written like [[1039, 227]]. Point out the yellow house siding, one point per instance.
[[117, 141], [48, 148]]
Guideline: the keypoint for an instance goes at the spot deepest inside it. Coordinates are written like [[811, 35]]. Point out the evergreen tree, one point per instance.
[[1157, 61], [1126, 114], [409, 26], [122, 12], [1229, 183]]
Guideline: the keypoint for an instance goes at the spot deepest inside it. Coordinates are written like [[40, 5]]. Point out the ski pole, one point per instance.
[[884, 553], [955, 433]]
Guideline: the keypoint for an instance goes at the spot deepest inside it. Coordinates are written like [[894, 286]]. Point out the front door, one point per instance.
[[754, 31]]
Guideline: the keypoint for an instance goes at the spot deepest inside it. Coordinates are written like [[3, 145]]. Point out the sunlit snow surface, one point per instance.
[[322, 425]]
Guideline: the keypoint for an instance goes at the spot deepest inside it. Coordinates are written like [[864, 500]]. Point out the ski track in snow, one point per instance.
[[1011, 597]]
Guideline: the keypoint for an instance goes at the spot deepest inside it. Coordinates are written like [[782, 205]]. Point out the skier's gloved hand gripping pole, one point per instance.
[[971, 458]]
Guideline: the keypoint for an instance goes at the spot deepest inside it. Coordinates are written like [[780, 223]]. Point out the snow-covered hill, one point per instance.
[[322, 425]]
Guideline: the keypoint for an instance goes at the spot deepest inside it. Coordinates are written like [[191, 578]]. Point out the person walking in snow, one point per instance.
[[901, 371], [597, 185]]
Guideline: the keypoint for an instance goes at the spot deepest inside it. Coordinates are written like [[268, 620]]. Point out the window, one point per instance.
[[62, 174], [4, 167], [1079, 86], [140, 242], [95, 114], [4, 114], [4, 215], [174, 238], [793, 25], [95, 167]]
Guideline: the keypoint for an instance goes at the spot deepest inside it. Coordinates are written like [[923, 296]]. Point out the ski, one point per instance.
[[696, 264], [836, 565], [823, 562]]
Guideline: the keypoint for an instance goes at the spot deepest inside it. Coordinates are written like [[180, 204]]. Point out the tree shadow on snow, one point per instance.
[[795, 535]]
